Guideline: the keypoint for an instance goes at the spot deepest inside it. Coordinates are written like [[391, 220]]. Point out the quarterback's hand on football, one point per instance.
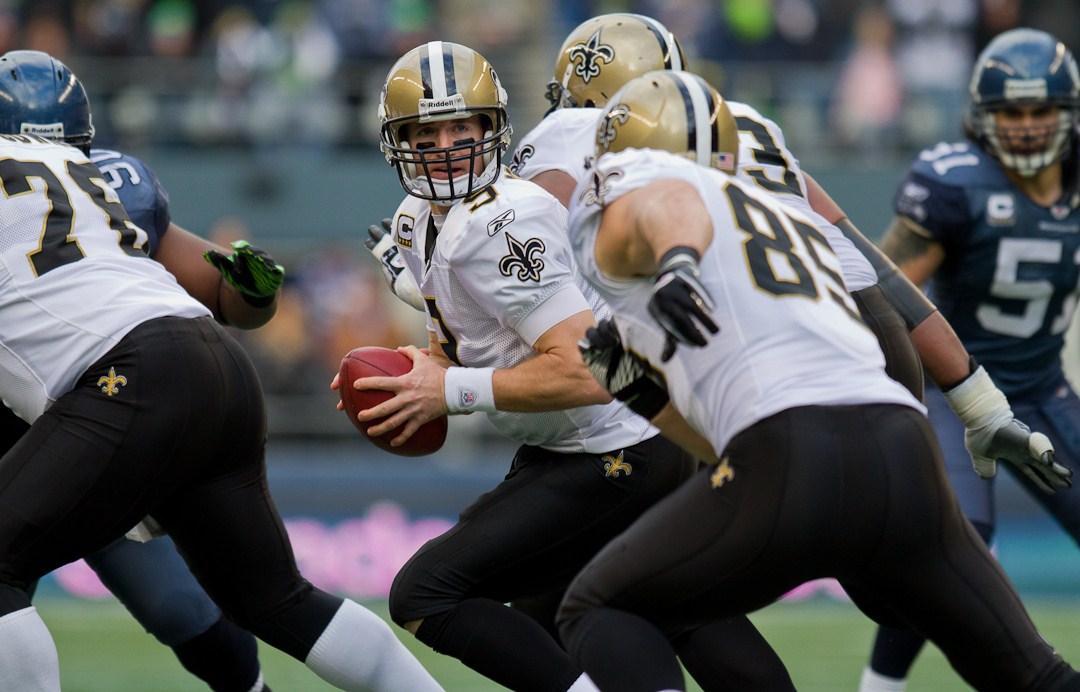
[[380, 243], [679, 302], [250, 270], [625, 375], [992, 433]]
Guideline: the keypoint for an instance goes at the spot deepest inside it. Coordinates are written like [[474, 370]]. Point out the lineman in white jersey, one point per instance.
[[108, 357], [505, 307], [605, 52], [732, 303]]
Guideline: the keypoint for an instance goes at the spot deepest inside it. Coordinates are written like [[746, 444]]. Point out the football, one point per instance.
[[375, 361]]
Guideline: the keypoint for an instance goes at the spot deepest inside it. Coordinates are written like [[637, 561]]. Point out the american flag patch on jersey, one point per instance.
[[724, 161]]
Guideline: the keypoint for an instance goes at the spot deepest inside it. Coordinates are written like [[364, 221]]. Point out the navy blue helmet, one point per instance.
[[39, 95], [1024, 67]]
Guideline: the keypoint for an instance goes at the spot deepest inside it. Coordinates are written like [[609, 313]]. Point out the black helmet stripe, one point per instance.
[[425, 71], [702, 128], [669, 49], [691, 117], [437, 70]]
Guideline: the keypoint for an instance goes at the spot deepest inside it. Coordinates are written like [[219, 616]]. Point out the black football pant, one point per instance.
[[170, 422], [852, 492]]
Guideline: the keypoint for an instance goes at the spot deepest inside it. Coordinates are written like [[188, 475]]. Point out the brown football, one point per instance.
[[375, 361]]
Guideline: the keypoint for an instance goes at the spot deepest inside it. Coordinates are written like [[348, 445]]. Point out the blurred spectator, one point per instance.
[[109, 27], [869, 93], [171, 28], [46, 28], [935, 49]]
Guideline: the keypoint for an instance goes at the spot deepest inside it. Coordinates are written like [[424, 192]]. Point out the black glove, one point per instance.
[[380, 243], [251, 270], [678, 299], [625, 375], [1033, 454]]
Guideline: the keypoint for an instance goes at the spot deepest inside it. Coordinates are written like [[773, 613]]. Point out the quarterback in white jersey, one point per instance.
[[505, 307], [826, 466], [500, 276]]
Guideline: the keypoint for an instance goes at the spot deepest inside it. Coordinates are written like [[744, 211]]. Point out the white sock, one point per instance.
[[28, 660], [583, 684], [358, 651], [876, 682]]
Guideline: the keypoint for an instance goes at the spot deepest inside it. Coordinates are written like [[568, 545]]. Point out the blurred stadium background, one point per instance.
[[259, 118]]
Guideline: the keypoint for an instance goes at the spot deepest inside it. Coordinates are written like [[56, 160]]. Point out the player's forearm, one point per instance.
[[547, 382], [945, 360]]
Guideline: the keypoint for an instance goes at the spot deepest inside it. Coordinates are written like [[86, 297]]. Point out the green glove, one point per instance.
[[251, 270]]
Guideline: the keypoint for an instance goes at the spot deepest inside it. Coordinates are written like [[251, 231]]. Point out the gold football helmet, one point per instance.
[[675, 111], [443, 81], [607, 51]]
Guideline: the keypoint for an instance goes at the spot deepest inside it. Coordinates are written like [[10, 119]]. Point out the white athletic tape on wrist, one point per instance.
[[469, 389], [977, 398]]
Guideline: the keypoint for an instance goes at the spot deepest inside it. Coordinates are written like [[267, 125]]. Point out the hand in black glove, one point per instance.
[[680, 302], [625, 375], [251, 270]]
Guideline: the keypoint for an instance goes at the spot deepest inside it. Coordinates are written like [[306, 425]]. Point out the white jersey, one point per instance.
[[501, 275], [565, 140], [789, 334], [74, 274]]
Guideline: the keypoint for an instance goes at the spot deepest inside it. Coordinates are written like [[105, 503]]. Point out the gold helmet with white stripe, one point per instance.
[[443, 81], [674, 111], [604, 53]]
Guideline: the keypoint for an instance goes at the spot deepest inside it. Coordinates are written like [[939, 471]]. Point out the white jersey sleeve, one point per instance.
[[74, 274], [563, 141], [500, 275], [766, 163], [790, 335]]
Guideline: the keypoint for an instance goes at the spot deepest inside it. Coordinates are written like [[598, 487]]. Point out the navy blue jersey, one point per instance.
[[1008, 284], [146, 201]]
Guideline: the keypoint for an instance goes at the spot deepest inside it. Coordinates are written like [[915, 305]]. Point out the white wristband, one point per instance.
[[469, 389], [977, 399]]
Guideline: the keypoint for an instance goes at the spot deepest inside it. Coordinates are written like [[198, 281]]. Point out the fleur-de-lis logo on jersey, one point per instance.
[[599, 186], [722, 474], [108, 383], [614, 464], [588, 56], [520, 157], [606, 134], [522, 260]]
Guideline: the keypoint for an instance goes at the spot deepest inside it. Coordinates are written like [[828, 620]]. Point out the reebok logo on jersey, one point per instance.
[[722, 474], [109, 383], [523, 261], [500, 222], [613, 465]]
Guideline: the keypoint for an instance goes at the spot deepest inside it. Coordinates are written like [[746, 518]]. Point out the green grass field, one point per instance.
[[823, 642]]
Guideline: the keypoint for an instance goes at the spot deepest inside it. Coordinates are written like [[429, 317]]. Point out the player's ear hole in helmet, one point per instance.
[[603, 53], [39, 95], [435, 82], [1024, 71], [674, 111]]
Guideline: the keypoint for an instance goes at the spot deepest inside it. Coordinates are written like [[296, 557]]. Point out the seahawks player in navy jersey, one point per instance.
[[992, 226], [150, 578]]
